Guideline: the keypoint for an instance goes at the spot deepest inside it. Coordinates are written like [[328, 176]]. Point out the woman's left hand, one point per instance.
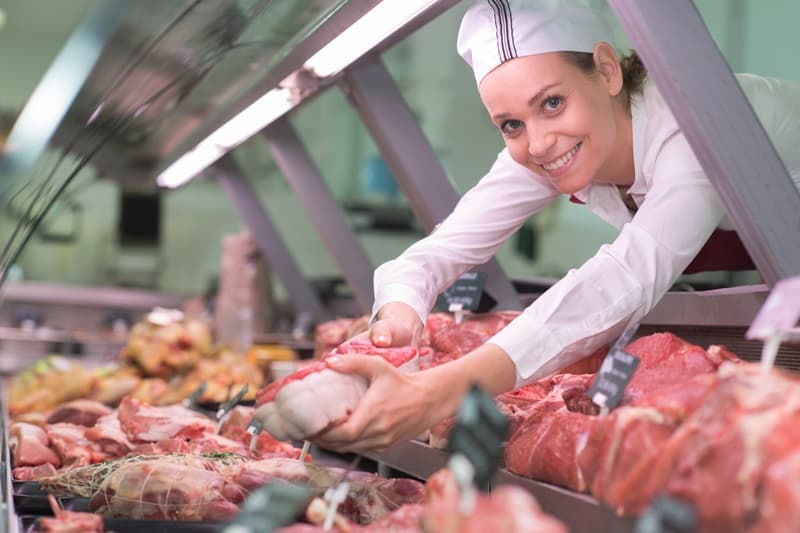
[[397, 406]]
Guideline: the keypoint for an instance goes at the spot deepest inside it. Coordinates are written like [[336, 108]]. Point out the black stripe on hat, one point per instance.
[[498, 40], [509, 29], [503, 29]]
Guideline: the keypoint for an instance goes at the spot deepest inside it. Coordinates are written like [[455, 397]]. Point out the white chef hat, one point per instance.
[[494, 31]]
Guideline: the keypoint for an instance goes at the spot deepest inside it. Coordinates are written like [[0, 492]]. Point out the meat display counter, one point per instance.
[[580, 512]]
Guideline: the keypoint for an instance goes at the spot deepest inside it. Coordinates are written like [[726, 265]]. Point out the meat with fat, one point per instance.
[[30, 446], [147, 423], [157, 490], [80, 412]]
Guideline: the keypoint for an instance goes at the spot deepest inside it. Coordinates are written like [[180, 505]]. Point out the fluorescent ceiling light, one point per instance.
[[377, 24], [189, 165], [253, 119], [247, 123]]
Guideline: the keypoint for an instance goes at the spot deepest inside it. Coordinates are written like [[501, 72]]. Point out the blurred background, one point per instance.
[[111, 231]]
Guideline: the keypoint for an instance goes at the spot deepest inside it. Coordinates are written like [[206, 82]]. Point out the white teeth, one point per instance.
[[561, 161]]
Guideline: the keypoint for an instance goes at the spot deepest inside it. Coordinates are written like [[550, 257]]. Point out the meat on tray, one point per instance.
[[85, 481], [30, 446], [208, 487], [171, 491], [142, 422], [136, 428], [507, 509], [315, 398], [370, 497], [698, 425], [69, 521], [81, 412], [561, 440]]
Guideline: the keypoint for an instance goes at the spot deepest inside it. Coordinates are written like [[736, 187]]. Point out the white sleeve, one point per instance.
[[482, 220], [625, 279]]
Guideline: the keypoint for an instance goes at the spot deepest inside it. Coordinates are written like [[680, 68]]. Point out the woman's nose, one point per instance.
[[539, 144]]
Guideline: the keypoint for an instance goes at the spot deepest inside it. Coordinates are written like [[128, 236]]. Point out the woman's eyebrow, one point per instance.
[[539, 94]]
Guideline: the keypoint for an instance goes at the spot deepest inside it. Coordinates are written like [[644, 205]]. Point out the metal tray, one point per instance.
[[30, 524], [30, 499]]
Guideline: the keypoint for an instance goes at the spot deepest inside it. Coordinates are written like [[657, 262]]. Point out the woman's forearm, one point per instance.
[[488, 366]]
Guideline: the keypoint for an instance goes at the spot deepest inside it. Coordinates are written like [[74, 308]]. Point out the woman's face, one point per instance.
[[555, 119]]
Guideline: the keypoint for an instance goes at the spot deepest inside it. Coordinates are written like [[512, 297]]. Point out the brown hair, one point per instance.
[[634, 72]]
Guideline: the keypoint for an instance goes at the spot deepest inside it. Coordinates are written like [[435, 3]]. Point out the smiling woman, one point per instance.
[[576, 120]]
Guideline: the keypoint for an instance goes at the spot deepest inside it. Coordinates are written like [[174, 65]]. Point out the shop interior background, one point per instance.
[[183, 254]]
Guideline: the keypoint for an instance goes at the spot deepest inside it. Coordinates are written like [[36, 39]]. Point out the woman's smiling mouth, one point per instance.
[[562, 161]]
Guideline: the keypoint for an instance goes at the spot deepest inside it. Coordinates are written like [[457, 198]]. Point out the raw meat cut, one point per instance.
[[81, 412], [160, 490], [561, 441], [69, 521], [142, 422], [314, 398], [735, 456], [30, 446], [71, 444], [369, 498], [85, 481]]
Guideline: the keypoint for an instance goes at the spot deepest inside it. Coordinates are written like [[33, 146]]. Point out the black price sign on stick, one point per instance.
[[615, 373], [463, 295], [478, 436]]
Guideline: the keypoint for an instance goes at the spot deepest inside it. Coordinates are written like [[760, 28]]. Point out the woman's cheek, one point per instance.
[[518, 150]]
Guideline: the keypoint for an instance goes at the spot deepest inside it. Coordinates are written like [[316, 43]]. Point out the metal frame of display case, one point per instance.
[[721, 128], [322, 209], [269, 242]]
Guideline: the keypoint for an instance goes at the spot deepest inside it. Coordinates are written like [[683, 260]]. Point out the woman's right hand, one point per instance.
[[396, 324]]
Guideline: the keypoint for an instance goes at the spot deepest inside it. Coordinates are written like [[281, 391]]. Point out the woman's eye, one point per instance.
[[553, 103], [510, 126]]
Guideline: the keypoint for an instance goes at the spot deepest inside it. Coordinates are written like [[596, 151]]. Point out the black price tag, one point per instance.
[[612, 378], [479, 434], [466, 292], [269, 508], [667, 515]]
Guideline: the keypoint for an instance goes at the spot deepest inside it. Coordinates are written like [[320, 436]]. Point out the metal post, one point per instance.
[[322, 209], [408, 154], [721, 127], [269, 242]]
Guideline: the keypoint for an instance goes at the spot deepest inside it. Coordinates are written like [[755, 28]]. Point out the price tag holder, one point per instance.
[[780, 312], [463, 295], [270, 508], [477, 438], [614, 375], [776, 321], [667, 515]]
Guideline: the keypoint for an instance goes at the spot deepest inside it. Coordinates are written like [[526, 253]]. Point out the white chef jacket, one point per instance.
[[678, 209]]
